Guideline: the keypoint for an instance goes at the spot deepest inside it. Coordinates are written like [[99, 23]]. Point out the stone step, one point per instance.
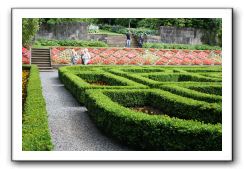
[[46, 70], [39, 53], [41, 62], [42, 65], [40, 49], [40, 57], [46, 67]]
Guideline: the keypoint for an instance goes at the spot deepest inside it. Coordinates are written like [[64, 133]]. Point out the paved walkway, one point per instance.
[[71, 128]]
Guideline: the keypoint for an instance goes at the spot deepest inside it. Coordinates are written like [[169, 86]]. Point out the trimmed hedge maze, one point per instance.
[[152, 107], [35, 131]]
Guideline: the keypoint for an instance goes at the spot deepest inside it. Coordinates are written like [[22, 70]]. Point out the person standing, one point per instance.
[[140, 43], [74, 57], [86, 56], [128, 39]]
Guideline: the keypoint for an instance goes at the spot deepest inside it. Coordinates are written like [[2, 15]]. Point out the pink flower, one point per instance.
[[123, 61], [196, 62], [186, 61], [207, 62], [110, 60]]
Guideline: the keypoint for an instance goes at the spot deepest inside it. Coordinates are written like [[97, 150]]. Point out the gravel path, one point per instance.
[[71, 128]]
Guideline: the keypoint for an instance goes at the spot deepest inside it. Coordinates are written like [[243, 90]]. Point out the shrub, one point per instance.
[[79, 82], [78, 43], [180, 46], [30, 26], [156, 79], [211, 98], [123, 30], [147, 132], [35, 131], [210, 89], [190, 120]]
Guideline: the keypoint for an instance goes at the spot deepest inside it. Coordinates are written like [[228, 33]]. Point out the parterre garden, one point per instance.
[[170, 108]]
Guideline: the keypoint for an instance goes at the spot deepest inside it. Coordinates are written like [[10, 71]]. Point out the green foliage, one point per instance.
[[157, 78], [77, 83], [147, 132], [211, 98], [190, 120], [123, 30], [210, 89], [78, 43], [35, 131], [30, 26], [180, 46], [202, 23], [52, 21]]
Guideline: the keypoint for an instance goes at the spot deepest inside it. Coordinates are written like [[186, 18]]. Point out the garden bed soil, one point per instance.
[[99, 83], [148, 110]]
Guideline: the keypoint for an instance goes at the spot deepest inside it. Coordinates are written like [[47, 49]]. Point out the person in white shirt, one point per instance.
[[74, 57], [86, 56]]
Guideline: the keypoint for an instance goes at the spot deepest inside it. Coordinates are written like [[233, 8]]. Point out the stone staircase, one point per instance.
[[134, 42], [41, 58]]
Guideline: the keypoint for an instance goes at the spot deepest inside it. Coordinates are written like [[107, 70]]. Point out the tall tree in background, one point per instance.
[[30, 26]]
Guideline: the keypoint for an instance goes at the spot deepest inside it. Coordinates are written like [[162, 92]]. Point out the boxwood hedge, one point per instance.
[[35, 131], [77, 83], [192, 114], [111, 113], [211, 98]]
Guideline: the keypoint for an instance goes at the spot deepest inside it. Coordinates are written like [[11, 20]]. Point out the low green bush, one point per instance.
[[180, 46], [123, 30], [79, 82], [152, 132], [180, 77], [156, 79], [210, 89], [35, 131], [192, 94], [78, 43], [191, 119]]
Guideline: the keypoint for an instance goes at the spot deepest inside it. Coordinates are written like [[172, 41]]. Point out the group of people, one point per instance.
[[128, 40], [85, 57]]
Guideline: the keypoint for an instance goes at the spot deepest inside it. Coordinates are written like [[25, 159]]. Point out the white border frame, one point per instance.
[[224, 155]]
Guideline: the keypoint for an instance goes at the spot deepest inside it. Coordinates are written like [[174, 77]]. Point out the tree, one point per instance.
[[30, 26]]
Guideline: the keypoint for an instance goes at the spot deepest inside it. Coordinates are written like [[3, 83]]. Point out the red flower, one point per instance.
[[197, 62], [122, 61], [186, 61], [207, 62], [25, 56]]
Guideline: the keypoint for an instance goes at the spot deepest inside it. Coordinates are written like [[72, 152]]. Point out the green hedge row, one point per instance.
[[78, 83], [155, 132], [156, 79], [172, 105], [192, 94], [191, 119], [210, 89], [180, 77], [67, 42], [180, 46], [35, 131]]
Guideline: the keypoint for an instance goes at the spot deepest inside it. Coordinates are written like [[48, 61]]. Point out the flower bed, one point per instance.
[[25, 56], [133, 56], [175, 110], [25, 76], [138, 56]]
